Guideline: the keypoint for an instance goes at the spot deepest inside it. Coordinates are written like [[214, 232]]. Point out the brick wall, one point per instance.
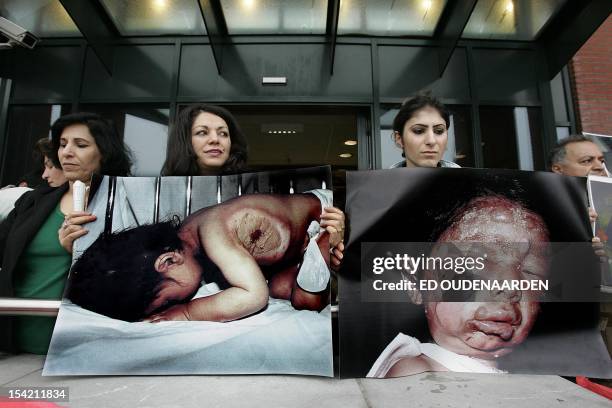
[[591, 72]]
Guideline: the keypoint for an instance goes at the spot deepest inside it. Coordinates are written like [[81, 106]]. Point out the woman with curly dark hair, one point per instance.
[[205, 140]]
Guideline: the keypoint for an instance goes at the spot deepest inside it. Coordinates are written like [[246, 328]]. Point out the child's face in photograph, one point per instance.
[[181, 279], [515, 241]]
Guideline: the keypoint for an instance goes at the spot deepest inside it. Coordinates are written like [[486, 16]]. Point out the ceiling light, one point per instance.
[[160, 5], [426, 6], [287, 132], [274, 80], [345, 155], [350, 142], [279, 128], [248, 4], [510, 6]]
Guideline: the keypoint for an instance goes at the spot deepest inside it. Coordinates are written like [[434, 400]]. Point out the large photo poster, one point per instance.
[[200, 275], [469, 270]]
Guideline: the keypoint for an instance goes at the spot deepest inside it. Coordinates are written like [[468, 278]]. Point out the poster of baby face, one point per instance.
[[201, 275], [469, 270]]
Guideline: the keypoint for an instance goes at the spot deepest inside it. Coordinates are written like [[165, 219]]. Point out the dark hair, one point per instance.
[[558, 152], [116, 158], [116, 275], [491, 185], [33, 178], [181, 159], [412, 105], [487, 200], [45, 148]]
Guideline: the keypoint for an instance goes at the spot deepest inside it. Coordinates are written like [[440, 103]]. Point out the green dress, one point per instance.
[[41, 274]]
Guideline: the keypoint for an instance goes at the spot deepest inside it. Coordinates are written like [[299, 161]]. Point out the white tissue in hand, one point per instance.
[[78, 196], [314, 273], [313, 230]]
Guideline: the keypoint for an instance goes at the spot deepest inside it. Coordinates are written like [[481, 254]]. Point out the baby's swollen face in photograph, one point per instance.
[[516, 242]]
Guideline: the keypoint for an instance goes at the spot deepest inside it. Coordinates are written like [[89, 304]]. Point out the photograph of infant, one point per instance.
[[239, 286], [520, 220]]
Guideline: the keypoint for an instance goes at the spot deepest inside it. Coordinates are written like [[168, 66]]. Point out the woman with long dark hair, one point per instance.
[[43, 225], [205, 140]]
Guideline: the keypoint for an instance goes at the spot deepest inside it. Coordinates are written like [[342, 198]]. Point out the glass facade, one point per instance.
[[499, 86], [275, 16], [155, 17], [510, 19], [520, 20], [389, 17]]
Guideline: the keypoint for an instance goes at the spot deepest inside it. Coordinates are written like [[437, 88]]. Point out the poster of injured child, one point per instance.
[[200, 275], [397, 317], [600, 198]]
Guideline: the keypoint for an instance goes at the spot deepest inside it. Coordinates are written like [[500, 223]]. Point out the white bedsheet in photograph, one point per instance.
[[279, 339]]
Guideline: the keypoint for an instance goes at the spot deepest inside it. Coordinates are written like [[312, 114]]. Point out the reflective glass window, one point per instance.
[[512, 137], [389, 17], [275, 16], [156, 17], [510, 19], [289, 137]]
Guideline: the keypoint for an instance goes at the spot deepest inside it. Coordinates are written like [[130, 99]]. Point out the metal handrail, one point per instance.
[[39, 307], [30, 307]]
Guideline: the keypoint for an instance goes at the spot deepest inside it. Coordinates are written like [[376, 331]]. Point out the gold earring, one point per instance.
[[399, 142]]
